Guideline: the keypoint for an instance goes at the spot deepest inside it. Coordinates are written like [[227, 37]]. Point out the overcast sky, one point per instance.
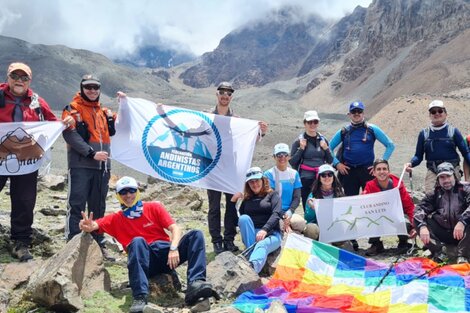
[[117, 27]]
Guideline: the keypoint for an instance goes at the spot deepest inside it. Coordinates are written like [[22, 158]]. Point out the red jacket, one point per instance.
[[372, 186], [29, 115]]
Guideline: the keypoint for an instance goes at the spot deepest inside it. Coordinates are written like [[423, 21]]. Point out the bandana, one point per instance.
[[135, 210]]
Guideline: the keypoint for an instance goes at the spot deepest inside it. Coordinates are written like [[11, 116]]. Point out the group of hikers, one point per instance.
[[310, 169]]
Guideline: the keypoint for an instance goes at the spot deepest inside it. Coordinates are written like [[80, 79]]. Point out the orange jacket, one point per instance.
[[81, 151]]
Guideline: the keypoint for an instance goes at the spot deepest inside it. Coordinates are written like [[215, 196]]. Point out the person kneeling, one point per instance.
[[442, 216], [140, 228]]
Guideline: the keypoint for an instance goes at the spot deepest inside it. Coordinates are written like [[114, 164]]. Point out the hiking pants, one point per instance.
[[355, 180], [214, 217], [446, 236], [23, 191], [86, 187], [145, 261], [306, 189], [263, 248]]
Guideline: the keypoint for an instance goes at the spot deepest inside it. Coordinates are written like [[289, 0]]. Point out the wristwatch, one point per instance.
[[173, 248]]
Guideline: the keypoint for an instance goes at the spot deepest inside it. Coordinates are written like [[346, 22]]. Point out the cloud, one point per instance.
[[117, 27]]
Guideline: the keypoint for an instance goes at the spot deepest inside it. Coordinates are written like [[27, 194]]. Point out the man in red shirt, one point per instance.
[[18, 103], [140, 229], [384, 180]]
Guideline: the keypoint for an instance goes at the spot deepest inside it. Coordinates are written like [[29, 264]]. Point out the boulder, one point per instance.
[[232, 275], [4, 299], [74, 272], [15, 274], [52, 182]]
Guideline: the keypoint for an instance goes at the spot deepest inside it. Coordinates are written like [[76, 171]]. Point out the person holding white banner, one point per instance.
[[442, 217], [224, 97], [260, 213], [18, 103], [384, 180]]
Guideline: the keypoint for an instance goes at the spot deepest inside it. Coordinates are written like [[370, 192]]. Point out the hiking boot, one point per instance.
[[138, 304], [175, 280], [462, 260], [230, 246], [218, 247], [199, 289], [403, 247], [440, 257], [107, 254], [201, 306], [21, 252], [355, 245], [375, 248]]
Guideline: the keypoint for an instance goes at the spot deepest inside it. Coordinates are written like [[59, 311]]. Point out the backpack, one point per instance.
[[35, 105], [450, 135], [346, 131]]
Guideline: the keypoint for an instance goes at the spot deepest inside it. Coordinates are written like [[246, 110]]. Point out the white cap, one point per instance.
[[325, 168], [311, 116], [253, 173], [436, 104], [281, 147], [126, 182]]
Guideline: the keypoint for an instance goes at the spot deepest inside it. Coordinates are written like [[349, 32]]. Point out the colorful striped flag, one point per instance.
[[315, 277]]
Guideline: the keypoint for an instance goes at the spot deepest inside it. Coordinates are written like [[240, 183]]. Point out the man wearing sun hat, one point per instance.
[[88, 148], [442, 216], [18, 103], [438, 143], [140, 227]]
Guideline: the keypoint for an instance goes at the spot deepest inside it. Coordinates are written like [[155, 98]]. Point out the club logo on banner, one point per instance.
[[371, 215], [182, 146], [24, 145]]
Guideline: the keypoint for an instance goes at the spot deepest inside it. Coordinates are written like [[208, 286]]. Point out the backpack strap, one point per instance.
[[2, 99]]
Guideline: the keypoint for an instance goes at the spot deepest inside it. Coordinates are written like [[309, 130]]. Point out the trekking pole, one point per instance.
[[389, 270], [411, 184], [246, 253]]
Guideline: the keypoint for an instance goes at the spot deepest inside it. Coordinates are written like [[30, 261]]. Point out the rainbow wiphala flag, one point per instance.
[[316, 277]]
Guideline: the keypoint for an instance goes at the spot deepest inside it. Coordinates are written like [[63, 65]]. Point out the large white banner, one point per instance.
[[24, 146], [184, 146], [364, 216]]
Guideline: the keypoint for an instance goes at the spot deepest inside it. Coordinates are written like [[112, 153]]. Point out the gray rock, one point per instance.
[[75, 271], [232, 275], [276, 307], [4, 299], [52, 182], [16, 274], [153, 308], [52, 211]]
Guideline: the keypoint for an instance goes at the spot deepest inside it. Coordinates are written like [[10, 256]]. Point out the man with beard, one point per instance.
[[442, 216]]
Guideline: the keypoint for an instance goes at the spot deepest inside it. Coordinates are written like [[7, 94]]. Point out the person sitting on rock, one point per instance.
[[260, 213], [441, 218], [140, 228], [384, 180]]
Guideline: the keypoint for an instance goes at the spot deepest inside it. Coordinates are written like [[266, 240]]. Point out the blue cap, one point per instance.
[[356, 105]]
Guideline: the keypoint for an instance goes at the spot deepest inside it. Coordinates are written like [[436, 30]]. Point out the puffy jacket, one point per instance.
[[29, 114], [372, 186], [80, 150], [447, 207]]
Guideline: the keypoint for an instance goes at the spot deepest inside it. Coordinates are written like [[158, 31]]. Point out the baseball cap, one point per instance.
[[356, 105], [325, 168], [253, 173], [436, 104], [445, 168], [311, 116], [126, 182], [225, 85], [90, 79], [20, 66], [281, 147]]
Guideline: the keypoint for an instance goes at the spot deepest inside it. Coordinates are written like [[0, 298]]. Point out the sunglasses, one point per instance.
[[357, 111], [23, 78], [125, 191], [433, 112], [90, 87], [225, 92], [253, 173], [315, 122], [282, 154], [327, 174]]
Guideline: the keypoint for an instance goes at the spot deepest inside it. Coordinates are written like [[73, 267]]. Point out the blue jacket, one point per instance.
[[358, 146]]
